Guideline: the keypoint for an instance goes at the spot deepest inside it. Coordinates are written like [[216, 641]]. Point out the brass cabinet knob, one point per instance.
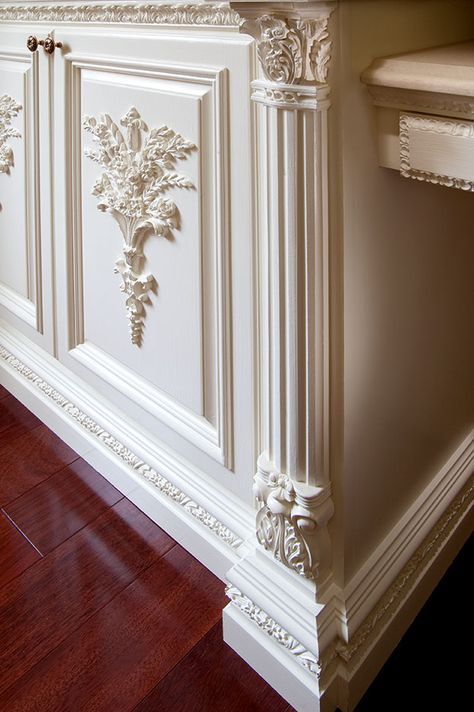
[[48, 44], [32, 43]]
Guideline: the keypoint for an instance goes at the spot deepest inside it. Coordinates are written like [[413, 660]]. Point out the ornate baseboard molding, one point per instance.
[[391, 602], [269, 626], [123, 453], [206, 14]]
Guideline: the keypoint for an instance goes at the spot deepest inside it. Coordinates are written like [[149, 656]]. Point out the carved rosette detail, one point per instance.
[[9, 109], [131, 189], [268, 625], [291, 51], [291, 520]]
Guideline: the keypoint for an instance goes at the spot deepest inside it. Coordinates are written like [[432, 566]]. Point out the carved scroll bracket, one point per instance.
[[292, 519]]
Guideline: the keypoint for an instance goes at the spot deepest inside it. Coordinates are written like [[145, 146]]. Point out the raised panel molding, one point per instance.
[[27, 306], [214, 438], [131, 189], [18, 305]]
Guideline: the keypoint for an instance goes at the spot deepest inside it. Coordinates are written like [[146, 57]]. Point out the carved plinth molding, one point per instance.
[[274, 630], [9, 109], [131, 189]]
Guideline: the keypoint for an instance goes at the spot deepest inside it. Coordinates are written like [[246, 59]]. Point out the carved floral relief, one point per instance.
[[291, 51], [9, 109], [137, 173]]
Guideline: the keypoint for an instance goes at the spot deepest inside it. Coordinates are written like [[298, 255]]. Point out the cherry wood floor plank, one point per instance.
[[62, 505], [16, 553], [43, 606], [15, 419], [3, 392], [118, 656], [29, 460], [213, 677]]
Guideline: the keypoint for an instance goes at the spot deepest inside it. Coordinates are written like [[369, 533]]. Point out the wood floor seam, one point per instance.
[[13, 523]]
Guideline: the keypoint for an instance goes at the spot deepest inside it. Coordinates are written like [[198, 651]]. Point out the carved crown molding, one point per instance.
[[131, 189], [291, 520], [9, 109], [212, 14], [123, 453], [291, 51], [460, 129], [268, 625]]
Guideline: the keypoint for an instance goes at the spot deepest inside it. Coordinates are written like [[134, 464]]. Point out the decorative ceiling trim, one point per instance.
[[205, 14], [119, 450]]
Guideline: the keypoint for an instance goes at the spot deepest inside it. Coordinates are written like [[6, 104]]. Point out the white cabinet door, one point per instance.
[[25, 213], [154, 234]]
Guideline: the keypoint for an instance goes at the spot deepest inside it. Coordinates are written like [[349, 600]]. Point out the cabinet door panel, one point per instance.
[[25, 294], [147, 234]]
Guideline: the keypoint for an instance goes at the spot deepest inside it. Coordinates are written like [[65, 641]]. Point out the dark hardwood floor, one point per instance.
[[99, 608]]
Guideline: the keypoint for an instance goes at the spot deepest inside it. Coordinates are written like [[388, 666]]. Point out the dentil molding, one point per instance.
[[9, 109], [131, 189], [200, 14]]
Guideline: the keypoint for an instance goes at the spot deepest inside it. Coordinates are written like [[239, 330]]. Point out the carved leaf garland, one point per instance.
[[131, 189], [9, 108]]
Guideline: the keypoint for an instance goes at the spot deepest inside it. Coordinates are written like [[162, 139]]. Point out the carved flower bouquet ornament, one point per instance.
[[9, 109], [131, 188]]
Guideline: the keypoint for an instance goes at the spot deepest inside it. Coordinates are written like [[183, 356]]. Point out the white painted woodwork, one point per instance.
[[283, 383], [26, 299], [424, 103], [188, 381]]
